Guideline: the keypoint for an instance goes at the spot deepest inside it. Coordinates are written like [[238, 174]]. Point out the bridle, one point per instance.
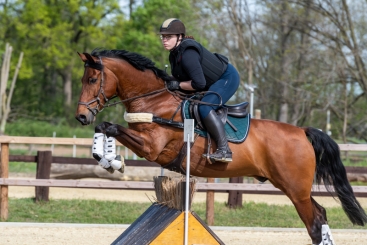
[[99, 107]]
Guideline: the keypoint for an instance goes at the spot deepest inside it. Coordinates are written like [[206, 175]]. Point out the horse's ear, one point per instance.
[[89, 58], [86, 57], [82, 56]]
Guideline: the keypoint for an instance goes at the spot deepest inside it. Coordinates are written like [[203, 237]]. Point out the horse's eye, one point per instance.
[[92, 80]]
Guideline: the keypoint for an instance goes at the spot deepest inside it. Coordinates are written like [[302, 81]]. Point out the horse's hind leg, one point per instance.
[[314, 217]]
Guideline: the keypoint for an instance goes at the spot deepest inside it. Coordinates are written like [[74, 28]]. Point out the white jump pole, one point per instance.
[[188, 137], [74, 148], [252, 90], [162, 171]]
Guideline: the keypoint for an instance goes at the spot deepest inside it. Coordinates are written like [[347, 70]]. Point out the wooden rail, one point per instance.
[[88, 142], [5, 181], [359, 191]]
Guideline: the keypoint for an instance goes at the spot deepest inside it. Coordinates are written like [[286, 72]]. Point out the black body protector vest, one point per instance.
[[213, 64]]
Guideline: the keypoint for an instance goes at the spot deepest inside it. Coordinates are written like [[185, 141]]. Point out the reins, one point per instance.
[[133, 98], [185, 96]]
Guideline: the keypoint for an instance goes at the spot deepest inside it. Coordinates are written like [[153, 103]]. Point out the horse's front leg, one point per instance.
[[101, 128], [132, 139], [104, 150]]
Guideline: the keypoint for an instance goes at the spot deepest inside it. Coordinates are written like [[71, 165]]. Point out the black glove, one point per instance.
[[173, 85]]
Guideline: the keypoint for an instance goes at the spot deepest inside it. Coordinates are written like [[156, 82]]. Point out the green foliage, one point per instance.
[[45, 129], [104, 212], [50, 33]]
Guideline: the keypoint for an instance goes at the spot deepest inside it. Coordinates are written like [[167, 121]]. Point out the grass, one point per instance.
[[74, 211], [362, 162], [114, 212], [23, 167]]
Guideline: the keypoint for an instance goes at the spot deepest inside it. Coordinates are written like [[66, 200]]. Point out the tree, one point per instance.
[[50, 33], [5, 99], [305, 57], [290, 46], [342, 32]]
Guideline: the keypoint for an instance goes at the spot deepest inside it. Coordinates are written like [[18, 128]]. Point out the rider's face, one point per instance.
[[169, 41]]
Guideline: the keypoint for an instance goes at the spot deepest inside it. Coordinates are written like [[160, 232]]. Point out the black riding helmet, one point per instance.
[[172, 26]]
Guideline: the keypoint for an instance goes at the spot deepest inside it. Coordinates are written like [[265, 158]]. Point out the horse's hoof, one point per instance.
[[101, 128], [110, 170], [112, 131], [118, 164]]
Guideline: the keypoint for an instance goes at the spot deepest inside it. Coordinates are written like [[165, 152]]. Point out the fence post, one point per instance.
[[44, 159], [210, 205], [4, 173], [235, 197]]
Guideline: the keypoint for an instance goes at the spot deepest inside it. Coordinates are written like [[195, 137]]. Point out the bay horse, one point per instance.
[[290, 157]]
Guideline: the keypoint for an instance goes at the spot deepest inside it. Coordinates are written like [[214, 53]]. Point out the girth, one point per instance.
[[176, 164]]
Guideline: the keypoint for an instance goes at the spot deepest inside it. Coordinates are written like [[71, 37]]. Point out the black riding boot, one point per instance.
[[215, 128]]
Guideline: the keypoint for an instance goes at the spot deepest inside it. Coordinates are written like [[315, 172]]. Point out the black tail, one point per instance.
[[331, 171]]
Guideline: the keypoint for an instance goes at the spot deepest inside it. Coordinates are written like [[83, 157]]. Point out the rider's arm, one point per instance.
[[191, 65], [186, 85]]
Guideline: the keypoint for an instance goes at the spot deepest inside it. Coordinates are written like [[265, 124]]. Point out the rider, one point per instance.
[[197, 69]]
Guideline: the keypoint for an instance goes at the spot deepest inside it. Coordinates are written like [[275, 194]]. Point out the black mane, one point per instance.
[[138, 61]]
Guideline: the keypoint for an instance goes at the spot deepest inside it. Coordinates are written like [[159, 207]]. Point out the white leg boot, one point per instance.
[[115, 161], [327, 238], [98, 151]]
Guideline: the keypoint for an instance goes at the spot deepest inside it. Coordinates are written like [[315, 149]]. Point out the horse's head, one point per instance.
[[95, 90]]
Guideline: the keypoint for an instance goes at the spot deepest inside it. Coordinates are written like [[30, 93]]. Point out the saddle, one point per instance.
[[238, 111], [235, 118]]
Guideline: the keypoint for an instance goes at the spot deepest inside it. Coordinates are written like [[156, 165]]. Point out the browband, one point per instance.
[[94, 65]]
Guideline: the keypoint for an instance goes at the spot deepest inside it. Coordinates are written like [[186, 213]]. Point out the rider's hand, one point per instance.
[[173, 85]]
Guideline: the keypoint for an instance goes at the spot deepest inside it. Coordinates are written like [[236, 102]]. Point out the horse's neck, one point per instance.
[[133, 83], [161, 105], [136, 84]]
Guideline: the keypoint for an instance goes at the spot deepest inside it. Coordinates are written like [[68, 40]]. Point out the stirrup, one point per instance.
[[220, 156]]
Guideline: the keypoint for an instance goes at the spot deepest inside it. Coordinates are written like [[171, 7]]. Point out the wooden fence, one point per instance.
[[41, 181]]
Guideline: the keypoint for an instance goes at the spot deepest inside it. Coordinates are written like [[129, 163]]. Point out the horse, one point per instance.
[[290, 157]]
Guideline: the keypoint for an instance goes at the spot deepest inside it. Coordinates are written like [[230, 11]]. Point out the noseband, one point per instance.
[[96, 109]]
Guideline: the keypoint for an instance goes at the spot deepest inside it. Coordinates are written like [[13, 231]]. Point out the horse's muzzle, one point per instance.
[[85, 119]]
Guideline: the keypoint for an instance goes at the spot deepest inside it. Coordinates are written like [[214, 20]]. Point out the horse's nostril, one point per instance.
[[81, 118]]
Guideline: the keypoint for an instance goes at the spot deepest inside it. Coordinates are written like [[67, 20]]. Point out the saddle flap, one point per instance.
[[196, 115]]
